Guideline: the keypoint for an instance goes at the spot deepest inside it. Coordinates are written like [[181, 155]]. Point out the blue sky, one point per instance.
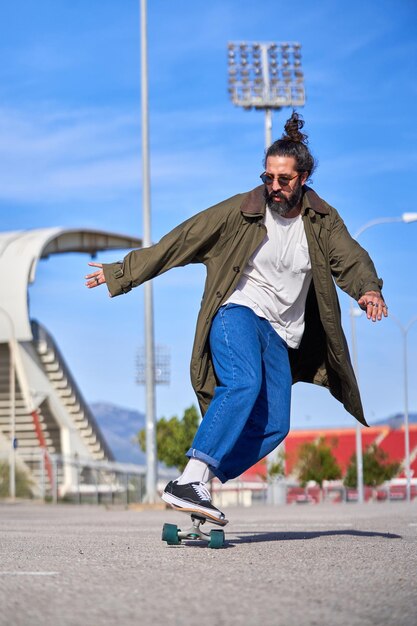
[[70, 156]]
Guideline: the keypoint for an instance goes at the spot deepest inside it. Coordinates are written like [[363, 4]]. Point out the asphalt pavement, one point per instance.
[[327, 564]]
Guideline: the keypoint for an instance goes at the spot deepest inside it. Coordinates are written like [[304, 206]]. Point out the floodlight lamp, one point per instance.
[[265, 75]]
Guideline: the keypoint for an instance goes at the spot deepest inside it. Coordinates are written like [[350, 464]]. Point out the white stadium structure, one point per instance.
[[42, 409]]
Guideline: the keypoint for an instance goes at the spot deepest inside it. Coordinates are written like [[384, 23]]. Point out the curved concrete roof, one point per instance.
[[20, 252]]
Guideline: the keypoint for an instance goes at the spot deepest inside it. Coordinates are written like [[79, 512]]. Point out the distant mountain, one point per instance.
[[119, 427], [396, 421]]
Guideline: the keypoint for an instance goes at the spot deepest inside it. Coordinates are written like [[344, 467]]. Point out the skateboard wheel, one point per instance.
[[170, 534], [216, 539]]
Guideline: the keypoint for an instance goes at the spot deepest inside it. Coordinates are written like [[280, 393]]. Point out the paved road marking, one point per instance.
[[28, 573]]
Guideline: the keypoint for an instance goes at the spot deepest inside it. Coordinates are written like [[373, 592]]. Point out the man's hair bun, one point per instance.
[[293, 143], [293, 128]]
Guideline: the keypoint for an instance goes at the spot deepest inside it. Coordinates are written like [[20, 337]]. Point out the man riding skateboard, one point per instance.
[[269, 317]]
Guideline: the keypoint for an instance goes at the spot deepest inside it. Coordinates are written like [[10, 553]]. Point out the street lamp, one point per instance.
[[12, 394], [151, 461], [404, 331], [406, 218], [266, 76]]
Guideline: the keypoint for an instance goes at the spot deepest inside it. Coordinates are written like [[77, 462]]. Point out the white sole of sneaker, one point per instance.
[[188, 507]]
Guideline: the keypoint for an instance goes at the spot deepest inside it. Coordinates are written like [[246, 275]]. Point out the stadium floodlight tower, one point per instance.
[[266, 76]]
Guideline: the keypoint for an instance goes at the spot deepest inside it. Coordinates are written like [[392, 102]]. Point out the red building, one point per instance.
[[343, 444]]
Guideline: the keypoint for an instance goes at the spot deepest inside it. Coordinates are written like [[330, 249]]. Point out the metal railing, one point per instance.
[[93, 482]]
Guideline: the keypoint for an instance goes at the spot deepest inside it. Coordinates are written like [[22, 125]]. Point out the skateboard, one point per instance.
[[174, 535]]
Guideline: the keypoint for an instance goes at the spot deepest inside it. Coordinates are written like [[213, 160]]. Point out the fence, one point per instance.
[[241, 493], [79, 480]]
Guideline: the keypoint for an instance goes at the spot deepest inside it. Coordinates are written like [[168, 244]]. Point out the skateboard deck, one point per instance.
[[174, 535]]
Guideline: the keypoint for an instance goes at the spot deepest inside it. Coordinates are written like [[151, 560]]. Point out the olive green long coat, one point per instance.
[[224, 237]]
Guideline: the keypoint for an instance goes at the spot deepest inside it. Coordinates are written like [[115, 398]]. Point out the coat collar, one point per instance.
[[253, 204]]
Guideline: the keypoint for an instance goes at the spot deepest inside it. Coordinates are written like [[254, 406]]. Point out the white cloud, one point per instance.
[[48, 154], [370, 162]]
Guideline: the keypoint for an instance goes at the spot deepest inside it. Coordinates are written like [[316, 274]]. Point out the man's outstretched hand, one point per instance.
[[373, 303], [96, 278]]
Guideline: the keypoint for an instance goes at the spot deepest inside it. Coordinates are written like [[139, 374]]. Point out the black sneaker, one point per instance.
[[193, 498]]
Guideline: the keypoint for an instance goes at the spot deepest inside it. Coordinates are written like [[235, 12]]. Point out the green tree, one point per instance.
[[24, 483], [376, 468], [173, 437], [317, 462], [275, 469]]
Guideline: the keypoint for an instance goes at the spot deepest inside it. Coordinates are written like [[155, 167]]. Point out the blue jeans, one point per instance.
[[249, 414]]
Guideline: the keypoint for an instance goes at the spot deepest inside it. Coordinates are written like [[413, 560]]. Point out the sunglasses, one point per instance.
[[283, 181]]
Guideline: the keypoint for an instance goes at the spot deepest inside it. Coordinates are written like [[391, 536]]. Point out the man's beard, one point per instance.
[[285, 205]]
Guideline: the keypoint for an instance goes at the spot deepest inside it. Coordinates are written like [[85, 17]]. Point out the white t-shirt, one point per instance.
[[275, 282]]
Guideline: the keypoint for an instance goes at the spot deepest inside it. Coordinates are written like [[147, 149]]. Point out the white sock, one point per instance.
[[195, 471]]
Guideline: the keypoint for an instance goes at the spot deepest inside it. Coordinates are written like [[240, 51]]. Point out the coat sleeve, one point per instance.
[[351, 266], [190, 242]]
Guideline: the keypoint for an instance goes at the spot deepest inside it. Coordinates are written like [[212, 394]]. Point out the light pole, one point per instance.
[[266, 76], [406, 218], [151, 461], [404, 332], [12, 394]]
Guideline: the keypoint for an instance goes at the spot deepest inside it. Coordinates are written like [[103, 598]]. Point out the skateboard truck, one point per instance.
[[174, 535]]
